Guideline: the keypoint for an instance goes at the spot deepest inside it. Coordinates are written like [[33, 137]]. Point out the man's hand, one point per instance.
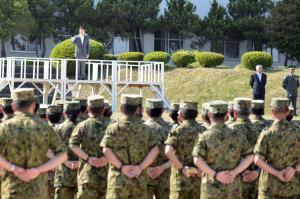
[[225, 177], [126, 170], [136, 171], [30, 174], [154, 172], [98, 162], [249, 176], [18, 171], [289, 173]]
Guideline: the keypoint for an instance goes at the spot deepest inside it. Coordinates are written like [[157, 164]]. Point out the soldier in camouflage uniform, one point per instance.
[[84, 142], [276, 153], [41, 113], [24, 141], [243, 125], [6, 107], [126, 145], [159, 172], [174, 114], [185, 178], [231, 118], [290, 117], [53, 115], [65, 181], [205, 118], [83, 110], [219, 153], [258, 121], [107, 109]]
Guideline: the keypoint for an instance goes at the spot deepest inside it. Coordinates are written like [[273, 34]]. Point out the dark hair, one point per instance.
[[243, 113], [289, 117], [189, 114], [23, 104], [72, 115], [280, 110], [7, 109], [154, 112], [128, 109], [256, 111], [174, 115], [37, 106], [218, 116], [96, 110], [231, 113], [107, 112], [54, 118], [43, 116], [1, 115], [205, 117], [83, 109], [82, 27]]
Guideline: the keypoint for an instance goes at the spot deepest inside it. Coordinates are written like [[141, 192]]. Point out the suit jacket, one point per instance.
[[258, 87], [82, 49]]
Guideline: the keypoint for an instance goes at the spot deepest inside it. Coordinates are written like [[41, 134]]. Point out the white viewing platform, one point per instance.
[[54, 76]]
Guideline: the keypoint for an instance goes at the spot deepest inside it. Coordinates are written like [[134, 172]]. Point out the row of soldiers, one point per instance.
[[95, 157]]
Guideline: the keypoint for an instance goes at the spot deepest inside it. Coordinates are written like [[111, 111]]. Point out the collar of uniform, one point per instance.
[[243, 120], [130, 118], [214, 125], [23, 113], [189, 122], [156, 119], [279, 122]]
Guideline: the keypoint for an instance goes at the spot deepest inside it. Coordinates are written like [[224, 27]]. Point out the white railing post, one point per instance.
[[63, 73], [114, 86]]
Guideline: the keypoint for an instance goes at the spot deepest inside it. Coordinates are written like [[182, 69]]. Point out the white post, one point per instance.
[[63, 72], [114, 86]]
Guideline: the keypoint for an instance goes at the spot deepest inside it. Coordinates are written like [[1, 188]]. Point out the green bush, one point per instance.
[[209, 59], [158, 56], [131, 56], [109, 57], [183, 58], [66, 49], [251, 59]]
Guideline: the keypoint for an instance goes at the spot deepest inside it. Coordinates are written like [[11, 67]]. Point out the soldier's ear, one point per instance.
[[14, 106]]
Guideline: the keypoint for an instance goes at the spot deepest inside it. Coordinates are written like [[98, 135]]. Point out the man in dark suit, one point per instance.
[[258, 83], [82, 50]]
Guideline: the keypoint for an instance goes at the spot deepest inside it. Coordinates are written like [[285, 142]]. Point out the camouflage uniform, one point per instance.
[[258, 121], [65, 181], [88, 134], [182, 139], [174, 107], [130, 140], [24, 141], [158, 187], [82, 116], [280, 147], [244, 126], [205, 107], [222, 149]]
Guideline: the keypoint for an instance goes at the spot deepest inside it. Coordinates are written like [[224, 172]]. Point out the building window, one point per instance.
[[20, 43], [232, 49], [167, 42]]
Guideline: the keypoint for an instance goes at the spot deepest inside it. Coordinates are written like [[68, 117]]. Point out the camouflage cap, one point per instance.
[[106, 104], [6, 101], [258, 104], [42, 110], [154, 103], [218, 107], [188, 105], [71, 106], [242, 103], [205, 107], [23, 94], [280, 103], [95, 101], [55, 109], [60, 102], [131, 99], [175, 106]]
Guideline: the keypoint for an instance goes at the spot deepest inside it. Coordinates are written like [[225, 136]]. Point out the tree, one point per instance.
[[180, 18], [127, 18], [213, 27], [15, 18], [248, 19], [283, 28], [43, 12]]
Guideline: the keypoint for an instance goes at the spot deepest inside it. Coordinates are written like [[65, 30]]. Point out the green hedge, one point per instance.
[[131, 56], [251, 59], [183, 58], [66, 49], [209, 59], [110, 57], [158, 56]]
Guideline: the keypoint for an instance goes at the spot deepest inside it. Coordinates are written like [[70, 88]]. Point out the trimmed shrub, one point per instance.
[[183, 58], [66, 49], [251, 59], [131, 56], [110, 57], [209, 59], [158, 56]]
